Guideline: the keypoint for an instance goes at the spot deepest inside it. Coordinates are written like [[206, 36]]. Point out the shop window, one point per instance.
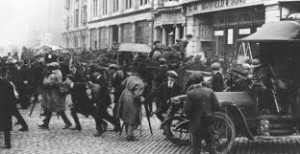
[[115, 5], [128, 4], [76, 15], [142, 32], [104, 6], [95, 8], [245, 18], [127, 33], [143, 2], [103, 37], [231, 19], [219, 20]]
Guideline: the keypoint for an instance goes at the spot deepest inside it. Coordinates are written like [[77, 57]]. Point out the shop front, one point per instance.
[[218, 24], [169, 24]]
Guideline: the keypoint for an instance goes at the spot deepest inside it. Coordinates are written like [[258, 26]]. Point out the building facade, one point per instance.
[[75, 24], [112, 21], [216, 25]]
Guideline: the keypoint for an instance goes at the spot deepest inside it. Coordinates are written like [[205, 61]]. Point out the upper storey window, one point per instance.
[[128, 4]]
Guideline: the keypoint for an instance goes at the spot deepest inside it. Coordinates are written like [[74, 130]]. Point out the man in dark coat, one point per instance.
[[201, 101], [116, 79], [27, 87], [165, 92], [217, 79], [102, 101], [7, 105], [81, 103]]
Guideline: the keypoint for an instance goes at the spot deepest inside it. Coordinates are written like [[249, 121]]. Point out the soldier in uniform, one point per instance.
[[201, 101]]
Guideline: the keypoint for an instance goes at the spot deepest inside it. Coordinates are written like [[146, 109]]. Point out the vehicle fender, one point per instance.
[[238, 119]]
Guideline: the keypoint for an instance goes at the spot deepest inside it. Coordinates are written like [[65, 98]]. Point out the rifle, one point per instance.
[[32, 107], [274, 89], [148, 117]]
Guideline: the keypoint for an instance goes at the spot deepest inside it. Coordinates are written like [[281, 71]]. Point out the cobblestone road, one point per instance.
[[59, 141]]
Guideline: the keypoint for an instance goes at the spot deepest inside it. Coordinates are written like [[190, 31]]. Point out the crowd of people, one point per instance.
[[91, 87]]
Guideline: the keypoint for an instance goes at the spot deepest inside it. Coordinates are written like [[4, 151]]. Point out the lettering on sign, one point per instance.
[[212, 4]]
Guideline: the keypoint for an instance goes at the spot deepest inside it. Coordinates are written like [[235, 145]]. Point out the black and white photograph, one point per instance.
[[149, 76]]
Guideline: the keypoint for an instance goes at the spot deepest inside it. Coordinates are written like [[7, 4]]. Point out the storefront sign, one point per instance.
[[214, 4], [244, 31], [219, 33]]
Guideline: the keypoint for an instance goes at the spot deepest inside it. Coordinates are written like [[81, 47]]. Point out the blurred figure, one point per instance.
[[81, 103], [53, 99], [116, 78], [7, 107], [131, 99], [102, 100], [217, 79]]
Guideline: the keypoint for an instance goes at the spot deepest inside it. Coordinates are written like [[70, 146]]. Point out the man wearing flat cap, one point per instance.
[[166, 91], [116, 78]]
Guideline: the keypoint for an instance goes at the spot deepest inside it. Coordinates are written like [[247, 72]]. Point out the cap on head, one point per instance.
[[255, 63], [215, 66], [196, 77], [113, 66], [53, 64], [172, 74]]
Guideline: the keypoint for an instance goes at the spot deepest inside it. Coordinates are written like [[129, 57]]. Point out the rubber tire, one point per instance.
[[230, 125]]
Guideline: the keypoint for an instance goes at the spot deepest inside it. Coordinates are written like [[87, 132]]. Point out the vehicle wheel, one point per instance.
[[225, 132], [177, 131]]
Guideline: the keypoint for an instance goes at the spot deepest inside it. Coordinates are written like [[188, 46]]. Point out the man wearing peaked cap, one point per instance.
[[113, 66], [166, 91], [172, 74]]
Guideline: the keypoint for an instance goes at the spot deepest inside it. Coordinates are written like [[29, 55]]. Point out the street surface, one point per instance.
[[59, 141]]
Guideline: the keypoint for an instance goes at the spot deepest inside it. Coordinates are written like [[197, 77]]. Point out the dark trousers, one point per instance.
[[75, 117], [101, 114], [20, 118], [7, 139], [150, 98], [162, 108], [62, 114]]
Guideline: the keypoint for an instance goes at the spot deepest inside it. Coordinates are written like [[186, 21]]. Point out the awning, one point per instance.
[[134, 47], [282, 31]]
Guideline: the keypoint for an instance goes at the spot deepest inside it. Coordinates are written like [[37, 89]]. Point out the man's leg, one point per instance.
[[20, 120], [130, 135], [212, 141], [76, 120], [7, 140], [65, 119], [99, 122], [46, 121], [196, 143], [113, 120]]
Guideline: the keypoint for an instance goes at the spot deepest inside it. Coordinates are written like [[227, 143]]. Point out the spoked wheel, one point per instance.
[[179, 131], [225, 132]]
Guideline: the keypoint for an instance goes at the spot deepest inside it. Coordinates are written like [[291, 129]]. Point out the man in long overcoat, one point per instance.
[[201, 101], [7, 105]]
